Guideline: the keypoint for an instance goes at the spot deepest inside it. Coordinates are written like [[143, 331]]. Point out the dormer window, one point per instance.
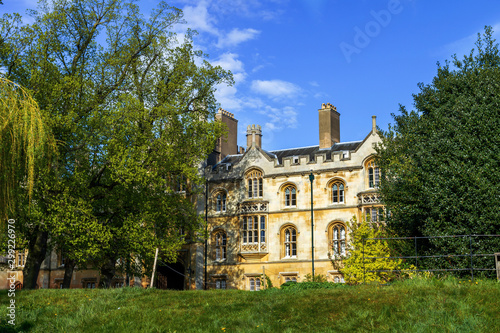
[[295, 160]]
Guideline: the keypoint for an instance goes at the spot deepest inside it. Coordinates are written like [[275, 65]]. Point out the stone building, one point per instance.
[[259, 213], [259, 205]]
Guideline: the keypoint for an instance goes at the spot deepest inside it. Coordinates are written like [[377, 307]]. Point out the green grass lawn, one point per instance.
[[410, 306]]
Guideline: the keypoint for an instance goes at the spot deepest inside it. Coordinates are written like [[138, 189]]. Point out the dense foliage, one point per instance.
[[131, 107], [441, 161], [368, 259]]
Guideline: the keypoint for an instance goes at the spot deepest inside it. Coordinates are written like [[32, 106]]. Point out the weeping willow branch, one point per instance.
[[24, 139]]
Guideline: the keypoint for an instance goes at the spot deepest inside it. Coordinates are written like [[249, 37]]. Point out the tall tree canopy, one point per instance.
[[132, 108], [441, 161]]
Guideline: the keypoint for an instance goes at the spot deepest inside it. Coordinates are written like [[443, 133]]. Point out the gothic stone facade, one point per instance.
[[259, 206]]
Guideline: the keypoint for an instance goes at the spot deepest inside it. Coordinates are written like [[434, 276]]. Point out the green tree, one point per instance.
[[24, 139], [367, 259], [133, 109], [441, 160]]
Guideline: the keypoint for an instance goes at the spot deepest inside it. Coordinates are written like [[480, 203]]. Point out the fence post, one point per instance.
[[471, 265], [416, 255]]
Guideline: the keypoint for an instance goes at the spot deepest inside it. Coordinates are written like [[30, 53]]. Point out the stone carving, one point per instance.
[[371, 198], [253, 207]]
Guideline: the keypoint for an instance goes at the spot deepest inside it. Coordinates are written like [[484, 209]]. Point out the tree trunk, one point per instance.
[[107, 273], [37, 249], [69, 266]]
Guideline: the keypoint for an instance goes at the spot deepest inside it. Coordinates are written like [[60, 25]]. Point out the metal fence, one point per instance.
[[469, 255]]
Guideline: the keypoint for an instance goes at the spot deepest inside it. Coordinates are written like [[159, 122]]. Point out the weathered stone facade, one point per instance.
[[259, 207], [259, 213]]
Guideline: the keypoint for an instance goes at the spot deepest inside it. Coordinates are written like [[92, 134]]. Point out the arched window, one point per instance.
[[338, 192], [338, 239], [290, 193], [220, 205], [220, 245], [373, 174], [254, 184], [289, 242], [254, 284]]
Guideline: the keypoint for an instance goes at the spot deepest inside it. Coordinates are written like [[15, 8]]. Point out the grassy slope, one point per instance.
[[415, 306]]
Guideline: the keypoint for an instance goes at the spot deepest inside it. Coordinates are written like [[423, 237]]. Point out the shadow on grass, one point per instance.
[[25, 326]]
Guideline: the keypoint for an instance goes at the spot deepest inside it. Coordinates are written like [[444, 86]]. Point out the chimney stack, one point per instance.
[[329, 125], [254, 136], [374, 124], [227, 145]]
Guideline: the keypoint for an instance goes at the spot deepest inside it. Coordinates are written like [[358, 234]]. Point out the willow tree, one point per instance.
[[24, 138], [133, 106]]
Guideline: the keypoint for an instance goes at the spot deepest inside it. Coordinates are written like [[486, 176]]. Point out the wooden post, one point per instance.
[[154, 269]]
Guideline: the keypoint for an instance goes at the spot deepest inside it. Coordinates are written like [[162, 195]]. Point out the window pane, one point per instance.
[[257, 284], [256, 222], [256, 237], [217, 284], [294, 249], [224, 203], [217, 253], [335, 233], [252, 284], [250, 236], [223, 284], [260, 187], [294, 235], [249, 188], [287, 235], [370, 177], [244, 236], [244, 223], [341, 193], [287, 249], [263, 222], [262, 236]]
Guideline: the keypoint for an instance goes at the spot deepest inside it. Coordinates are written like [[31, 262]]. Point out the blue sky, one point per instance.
[[290, 56]]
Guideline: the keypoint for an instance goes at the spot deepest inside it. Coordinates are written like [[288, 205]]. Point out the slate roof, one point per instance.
[[310, 151]]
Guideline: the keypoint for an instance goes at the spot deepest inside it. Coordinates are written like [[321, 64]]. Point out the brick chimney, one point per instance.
[[254, 136], [329, 125], [227, 145]]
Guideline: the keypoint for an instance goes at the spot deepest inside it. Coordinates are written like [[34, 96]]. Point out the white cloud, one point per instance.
[[285, 117], [237, 36], [229, 61], [226, 96], [199, 19], [275, 88]]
